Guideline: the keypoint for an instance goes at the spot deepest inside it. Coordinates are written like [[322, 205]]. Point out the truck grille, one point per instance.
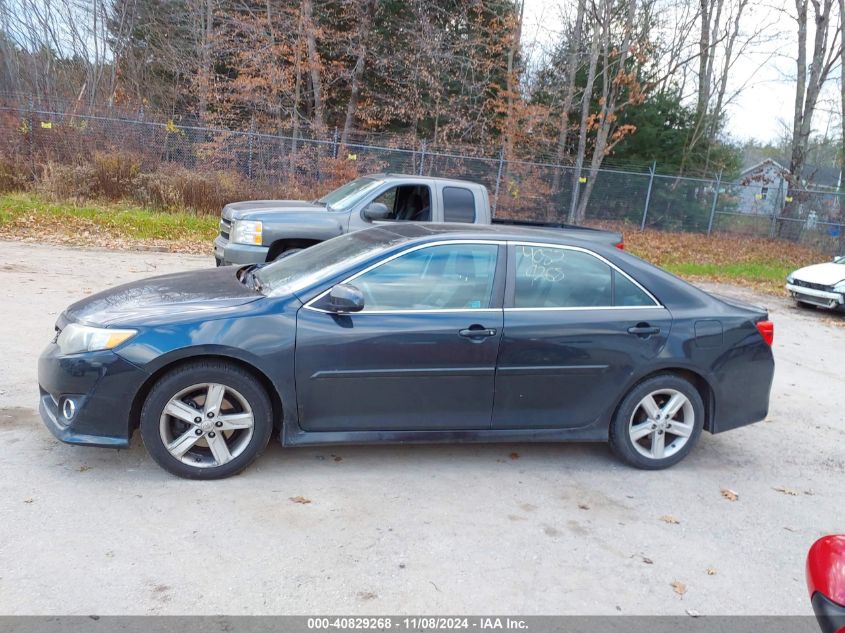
[[807, 284], [225, 228]]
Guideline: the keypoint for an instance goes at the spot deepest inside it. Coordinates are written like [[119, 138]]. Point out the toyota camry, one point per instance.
[[408, 333]]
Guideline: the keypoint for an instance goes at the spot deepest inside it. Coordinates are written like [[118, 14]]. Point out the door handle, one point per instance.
[[477, 331], [643, 329]]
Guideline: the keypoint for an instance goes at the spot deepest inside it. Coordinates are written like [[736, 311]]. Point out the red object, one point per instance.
[[620, 245], [826, 568], [767, 330]]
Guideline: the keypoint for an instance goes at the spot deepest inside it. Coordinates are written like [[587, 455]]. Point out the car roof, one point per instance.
[[427, 231]]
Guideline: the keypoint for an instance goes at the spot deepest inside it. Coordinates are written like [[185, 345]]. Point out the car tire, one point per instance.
[[286, 253], [647, 434], [206, 419]]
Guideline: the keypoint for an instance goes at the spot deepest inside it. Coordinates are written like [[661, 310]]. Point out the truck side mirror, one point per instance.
[[345, 298], [377, 211]]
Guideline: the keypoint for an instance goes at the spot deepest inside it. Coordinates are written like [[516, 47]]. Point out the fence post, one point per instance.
[[334, 141], [31, 136], [422, 156], [715, 200], [498, 181], [776, 210], [648, 194], [249, 164]]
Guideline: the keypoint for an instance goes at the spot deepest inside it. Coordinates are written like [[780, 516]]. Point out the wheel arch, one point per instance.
[[700, 382], [258, 374], [281, 245]]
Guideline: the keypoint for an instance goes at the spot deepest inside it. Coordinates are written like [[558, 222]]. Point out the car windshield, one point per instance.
[[322, 261], [839, 260], [346, 196]]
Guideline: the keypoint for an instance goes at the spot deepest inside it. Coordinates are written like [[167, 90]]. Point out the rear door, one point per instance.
[[421, 355], [575, 329]]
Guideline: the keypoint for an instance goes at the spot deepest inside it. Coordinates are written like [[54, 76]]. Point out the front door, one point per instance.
[[421, 355], [575, 329]]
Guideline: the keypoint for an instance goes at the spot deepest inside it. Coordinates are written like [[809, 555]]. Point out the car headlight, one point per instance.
[[840, 287], [247, 232], [76, 338], [790, 279]]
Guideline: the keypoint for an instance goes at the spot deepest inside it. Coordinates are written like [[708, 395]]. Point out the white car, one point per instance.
[[821, 285]]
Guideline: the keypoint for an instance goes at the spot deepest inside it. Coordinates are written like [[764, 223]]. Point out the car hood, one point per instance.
[[256, 209], [828, 274], [196, 294]]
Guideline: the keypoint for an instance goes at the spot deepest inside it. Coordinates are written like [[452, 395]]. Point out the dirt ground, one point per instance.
[[528, 529]]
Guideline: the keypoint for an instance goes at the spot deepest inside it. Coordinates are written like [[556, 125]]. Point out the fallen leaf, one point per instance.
[[679, 587], [693, 613], [786, 491], [367, 595], [647, 560], [583, 506], [83, 468], [711, 571], [809, 493], [337, 458], [30, 500], [729, 494], [514, 456], [300, 499], [668, 518]]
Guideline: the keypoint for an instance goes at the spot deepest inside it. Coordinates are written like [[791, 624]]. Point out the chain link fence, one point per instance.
[[259, 164]]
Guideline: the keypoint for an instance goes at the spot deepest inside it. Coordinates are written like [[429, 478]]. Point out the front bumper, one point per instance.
[[226, 252], [101, 386], [822, 298]]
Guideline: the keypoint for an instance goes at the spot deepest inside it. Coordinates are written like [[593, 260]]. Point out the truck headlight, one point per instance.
[[76, 338], [247, 232]]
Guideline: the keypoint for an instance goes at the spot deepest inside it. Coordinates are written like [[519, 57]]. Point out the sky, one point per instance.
[[769, 94]]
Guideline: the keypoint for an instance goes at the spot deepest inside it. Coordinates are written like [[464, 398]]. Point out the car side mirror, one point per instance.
[[377, 211], [345, 298]]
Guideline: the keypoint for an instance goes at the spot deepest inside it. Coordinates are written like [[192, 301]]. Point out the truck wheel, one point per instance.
[[286, 253]]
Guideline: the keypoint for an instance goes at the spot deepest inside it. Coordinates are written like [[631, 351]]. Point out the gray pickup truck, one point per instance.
[[260, 231]]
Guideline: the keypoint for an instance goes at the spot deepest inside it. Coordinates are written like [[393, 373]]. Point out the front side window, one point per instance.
[[445, 277], [407, 203], [548, 277], [458, 205]]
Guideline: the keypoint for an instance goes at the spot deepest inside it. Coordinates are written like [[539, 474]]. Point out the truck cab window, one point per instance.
[[409, 203], [458, 205]]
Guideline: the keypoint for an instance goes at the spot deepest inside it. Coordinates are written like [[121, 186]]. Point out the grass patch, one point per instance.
[[755, 262], [30, 217]]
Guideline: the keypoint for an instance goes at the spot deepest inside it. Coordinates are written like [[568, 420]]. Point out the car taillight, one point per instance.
[[767, 330], [620, 245]]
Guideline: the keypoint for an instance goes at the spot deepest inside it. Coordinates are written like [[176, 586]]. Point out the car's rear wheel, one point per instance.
[[658, 422], [206, 420], [286, 253]]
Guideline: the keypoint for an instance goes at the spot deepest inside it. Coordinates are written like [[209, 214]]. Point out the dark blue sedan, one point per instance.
[[408, 333]]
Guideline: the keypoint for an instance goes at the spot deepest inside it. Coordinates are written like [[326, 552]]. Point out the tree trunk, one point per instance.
[[313, 65], [364, 22], [569, 91], [585, 114]]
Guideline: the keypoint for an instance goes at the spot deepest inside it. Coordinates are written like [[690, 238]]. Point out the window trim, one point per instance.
[[499, 280], [510, 288]]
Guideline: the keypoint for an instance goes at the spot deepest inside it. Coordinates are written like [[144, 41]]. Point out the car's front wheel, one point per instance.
[[658, 422], [206, 420]]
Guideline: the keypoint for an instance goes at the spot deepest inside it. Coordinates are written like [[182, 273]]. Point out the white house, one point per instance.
[[761, 189]]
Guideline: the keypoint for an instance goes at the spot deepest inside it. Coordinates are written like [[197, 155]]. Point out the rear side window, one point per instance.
[[458, 205], [548, 277]]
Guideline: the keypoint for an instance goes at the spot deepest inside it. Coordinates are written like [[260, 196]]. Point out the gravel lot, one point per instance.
[[529, 529]]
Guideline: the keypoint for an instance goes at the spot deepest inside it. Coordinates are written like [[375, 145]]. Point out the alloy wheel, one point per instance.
[[207, 425], [661, 424]]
